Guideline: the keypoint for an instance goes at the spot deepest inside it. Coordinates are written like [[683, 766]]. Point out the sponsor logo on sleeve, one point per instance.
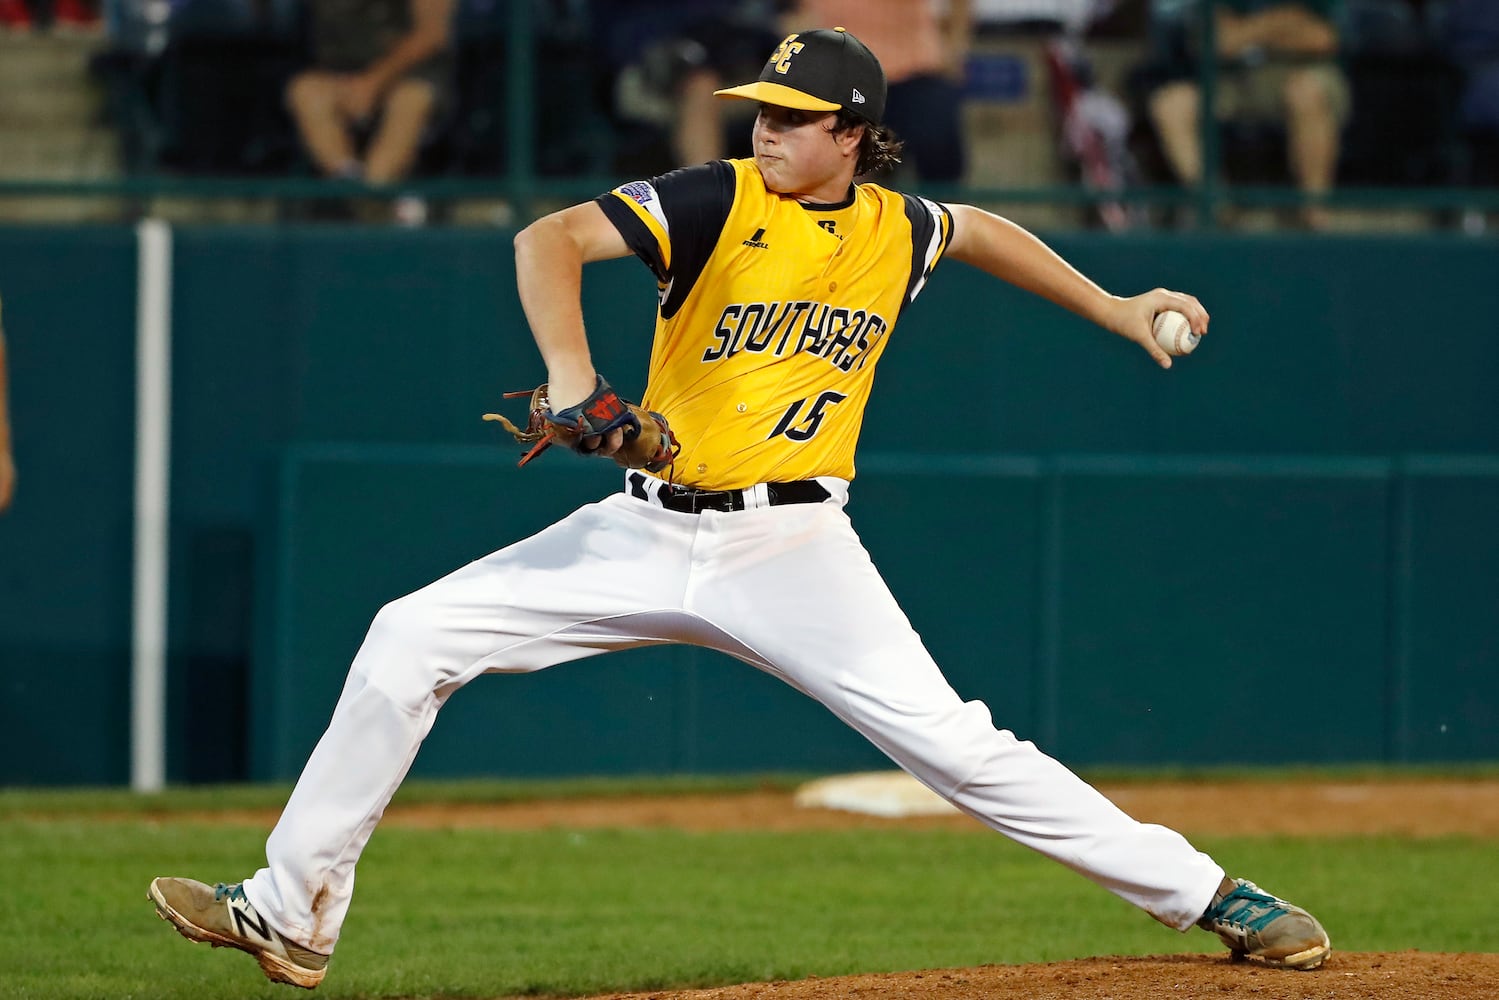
[[639, 191]]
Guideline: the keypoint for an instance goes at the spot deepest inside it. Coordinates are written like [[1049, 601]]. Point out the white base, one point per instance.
[[875, 793]]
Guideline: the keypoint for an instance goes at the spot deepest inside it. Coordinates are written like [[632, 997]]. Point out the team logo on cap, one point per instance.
[[781, 57]]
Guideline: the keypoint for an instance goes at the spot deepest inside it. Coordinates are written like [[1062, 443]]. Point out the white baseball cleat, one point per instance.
[[221, 916], [1255, 924]]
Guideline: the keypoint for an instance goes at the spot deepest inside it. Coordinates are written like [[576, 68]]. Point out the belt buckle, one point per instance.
[[685, 498], [722, 501]]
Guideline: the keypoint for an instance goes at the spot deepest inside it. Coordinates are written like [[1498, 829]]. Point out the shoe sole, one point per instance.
[[276, 969], [1301, 961], [1306, 961]]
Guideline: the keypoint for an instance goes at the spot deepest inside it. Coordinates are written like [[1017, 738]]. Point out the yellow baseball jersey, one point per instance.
[[773, 314]]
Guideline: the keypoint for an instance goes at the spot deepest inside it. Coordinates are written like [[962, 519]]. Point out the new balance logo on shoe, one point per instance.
[[754, 241], [243, 917]]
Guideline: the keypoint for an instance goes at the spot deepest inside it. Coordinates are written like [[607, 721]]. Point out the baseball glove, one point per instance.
[[648, 441]]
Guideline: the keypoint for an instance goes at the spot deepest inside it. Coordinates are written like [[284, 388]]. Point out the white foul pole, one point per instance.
[[153, 445]]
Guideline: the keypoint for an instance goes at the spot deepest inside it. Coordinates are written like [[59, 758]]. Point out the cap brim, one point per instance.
[[780, 95]]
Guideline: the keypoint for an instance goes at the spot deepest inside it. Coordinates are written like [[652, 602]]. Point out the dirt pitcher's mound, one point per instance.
[[1407, 975], [1411, 807]]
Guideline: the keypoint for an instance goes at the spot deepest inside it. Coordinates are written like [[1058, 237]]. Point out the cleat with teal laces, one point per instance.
[[1255, 924]]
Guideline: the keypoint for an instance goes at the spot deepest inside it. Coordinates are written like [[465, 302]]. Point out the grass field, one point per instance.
[[479, 913]]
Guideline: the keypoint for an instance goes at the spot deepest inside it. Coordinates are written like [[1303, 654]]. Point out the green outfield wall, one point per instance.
[[1297, 526]]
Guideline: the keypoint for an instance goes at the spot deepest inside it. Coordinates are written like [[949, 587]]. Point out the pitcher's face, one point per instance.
[[800, 154]]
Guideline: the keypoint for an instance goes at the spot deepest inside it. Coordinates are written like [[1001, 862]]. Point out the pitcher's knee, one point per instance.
[[402, 653], [970, 743], [951, 748]]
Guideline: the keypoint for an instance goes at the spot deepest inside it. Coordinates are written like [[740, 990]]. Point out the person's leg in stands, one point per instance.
[[1174, 112], [697, 135], [926, 111], [404, 116], [1312, 124], [312, 98]]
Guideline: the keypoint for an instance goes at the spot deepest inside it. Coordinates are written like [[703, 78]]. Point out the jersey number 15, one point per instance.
[[799, 427]]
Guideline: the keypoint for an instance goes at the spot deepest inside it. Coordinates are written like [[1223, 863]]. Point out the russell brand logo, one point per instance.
[[755, 241]]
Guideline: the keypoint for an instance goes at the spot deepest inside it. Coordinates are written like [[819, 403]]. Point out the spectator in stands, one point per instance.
[[1037, 17], [665, 58], [381, 74], [1277, 61], [1472, 29], [924, 53], [1093, 124], [15, 15], [7, 459], [68, 16]]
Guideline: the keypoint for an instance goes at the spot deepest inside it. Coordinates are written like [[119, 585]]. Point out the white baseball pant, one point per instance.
[[625, 572]]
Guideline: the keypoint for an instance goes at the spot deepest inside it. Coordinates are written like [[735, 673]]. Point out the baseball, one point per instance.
[[1174, 333]]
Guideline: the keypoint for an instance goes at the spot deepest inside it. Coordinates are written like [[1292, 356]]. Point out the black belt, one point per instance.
[[687, 500]]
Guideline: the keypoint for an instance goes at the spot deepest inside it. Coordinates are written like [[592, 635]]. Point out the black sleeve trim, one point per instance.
[[929, 239], [697, 202], [637, 236]]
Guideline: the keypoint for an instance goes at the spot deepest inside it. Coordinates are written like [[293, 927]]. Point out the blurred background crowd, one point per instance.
[[1311, 98]]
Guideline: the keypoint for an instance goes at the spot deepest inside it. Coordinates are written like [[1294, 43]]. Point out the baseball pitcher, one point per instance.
[[780, 281]]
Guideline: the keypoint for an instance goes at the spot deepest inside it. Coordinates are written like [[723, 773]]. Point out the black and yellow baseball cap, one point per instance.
[[823, 70]]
